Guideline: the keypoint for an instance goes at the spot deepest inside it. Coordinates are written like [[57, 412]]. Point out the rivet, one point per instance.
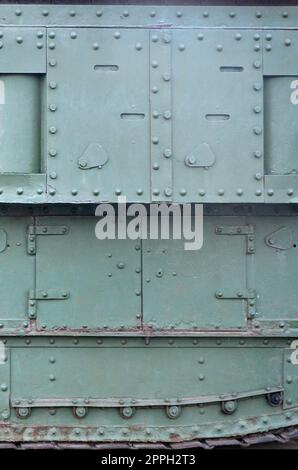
[[268, 37], [52, 62], [155, 114], [20, 191], [117, 35], [219, 47], [257, 64], [139, 46], [166, 77], [201, 377], [200, 36], [285, 14], [95, 46], [268, 47], [39, 190], [1, 44], [257, 37], [238, 36], [52, 130], [52, 377], [288, 42], [257, 86], [125, 13], [166, 38], [239, 192], [99, 13], [257, 47], [257, 109], [4, 387], [72, 13], [140, 191], [205, 14], [167, 115], [52, 107], [52, 152], [52, 45], [167, 153], [156, 192], [183, 192], [220, 192], [257, 130], [52, 85], [118, 191], [258, 14], [168, 192], [19, 39], [39, 45], [181, 47], [73, 35], [154, 38], [290, 192], [179, 14], [52, 191], [155, 166], [152, 14], [270, 192], [52, 34], [202, 192], [154, 89], [258, 192], [232, 14], [258, 154], [53, 175], [155, 140], [154, 64]]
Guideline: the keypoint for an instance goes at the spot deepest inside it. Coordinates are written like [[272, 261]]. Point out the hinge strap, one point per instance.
[[34, 230]]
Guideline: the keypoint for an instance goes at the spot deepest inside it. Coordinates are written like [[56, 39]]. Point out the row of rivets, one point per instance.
[[160, 58], [153, 13]]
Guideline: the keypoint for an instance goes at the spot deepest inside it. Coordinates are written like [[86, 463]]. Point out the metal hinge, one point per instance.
[[34, 230], [247, 230], [48, 294], [241, 294]]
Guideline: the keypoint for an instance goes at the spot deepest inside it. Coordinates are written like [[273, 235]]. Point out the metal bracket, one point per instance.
[[247, 230], [246, 294], [48, 294], [34, 230]]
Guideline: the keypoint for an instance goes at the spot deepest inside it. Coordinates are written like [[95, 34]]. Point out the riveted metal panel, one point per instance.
[[16, 273], [153, 376], [217, 106], [87, 283], [98, 114], [275, 267], [23, 50], [183, 289]]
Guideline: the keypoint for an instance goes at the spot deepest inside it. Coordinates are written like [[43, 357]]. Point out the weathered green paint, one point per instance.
[[141, 340]]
